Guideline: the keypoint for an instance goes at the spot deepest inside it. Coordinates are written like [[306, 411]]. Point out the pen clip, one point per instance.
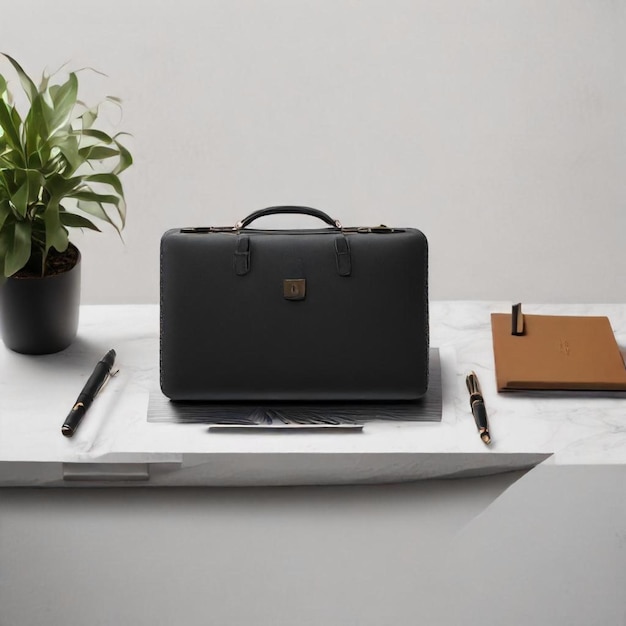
[[106, 380], [473, 386]]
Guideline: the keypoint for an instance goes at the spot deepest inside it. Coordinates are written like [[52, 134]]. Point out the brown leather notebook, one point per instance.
[[557, 352]]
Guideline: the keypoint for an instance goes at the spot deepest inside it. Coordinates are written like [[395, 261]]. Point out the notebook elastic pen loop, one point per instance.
[[517, 320]]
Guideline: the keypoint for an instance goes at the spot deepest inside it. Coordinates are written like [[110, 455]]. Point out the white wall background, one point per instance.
[[497, 128]]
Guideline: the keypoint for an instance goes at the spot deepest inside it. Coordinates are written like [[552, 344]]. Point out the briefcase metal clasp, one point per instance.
[[294, 288]]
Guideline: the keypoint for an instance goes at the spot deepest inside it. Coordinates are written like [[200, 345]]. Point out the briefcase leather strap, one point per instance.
[[342, 251], [242, 255]]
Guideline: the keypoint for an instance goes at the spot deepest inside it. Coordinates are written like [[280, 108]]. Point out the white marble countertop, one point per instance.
[[37, 392]]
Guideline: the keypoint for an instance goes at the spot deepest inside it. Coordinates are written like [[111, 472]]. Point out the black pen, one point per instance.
[[478, 407], [96, 381]]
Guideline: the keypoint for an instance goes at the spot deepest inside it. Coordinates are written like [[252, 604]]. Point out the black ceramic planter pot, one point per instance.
[[40, 315]]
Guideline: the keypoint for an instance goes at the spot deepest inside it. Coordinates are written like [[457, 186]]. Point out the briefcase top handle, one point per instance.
[[276, 210]]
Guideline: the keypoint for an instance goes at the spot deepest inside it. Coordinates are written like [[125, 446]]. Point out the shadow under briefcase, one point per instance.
[[326, 314]]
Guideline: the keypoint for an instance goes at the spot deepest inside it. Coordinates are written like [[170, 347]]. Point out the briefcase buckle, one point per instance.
[[294, 288]]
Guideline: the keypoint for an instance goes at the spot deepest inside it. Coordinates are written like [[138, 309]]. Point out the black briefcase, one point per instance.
[[327, 314]]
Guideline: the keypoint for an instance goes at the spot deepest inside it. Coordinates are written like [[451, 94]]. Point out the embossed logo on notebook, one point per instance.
[[564, 347]]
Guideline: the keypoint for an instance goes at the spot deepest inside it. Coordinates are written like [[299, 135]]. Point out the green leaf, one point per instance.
[[35, 161], [92, 69], [88, 117], [121, 209], [29, 182], [7, 122], [5, 211], [97, 153], [27, 84], [59, 187], [20, 199], [92, 196], [69, 148], [114, 181], [45, 78], [12, 160], [36, 125], [63, 100], [107, 179], [5, 186], [97, 210], [43, 83], [16, 241], [73, 220], [126, 159], [56, 235], [35, 182], [95, 134]]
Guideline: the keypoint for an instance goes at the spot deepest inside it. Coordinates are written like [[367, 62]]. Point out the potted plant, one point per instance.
[[57, 172]]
